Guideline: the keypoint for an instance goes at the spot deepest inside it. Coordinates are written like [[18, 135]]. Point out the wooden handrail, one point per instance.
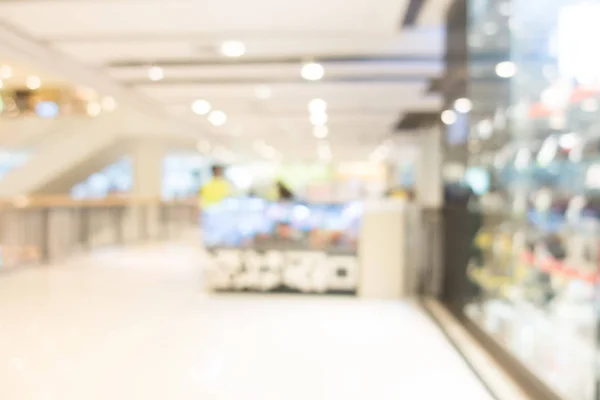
[[36, 202]]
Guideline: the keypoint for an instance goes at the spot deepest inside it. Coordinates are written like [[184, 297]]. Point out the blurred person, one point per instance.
[[283, 192], [216, 189]]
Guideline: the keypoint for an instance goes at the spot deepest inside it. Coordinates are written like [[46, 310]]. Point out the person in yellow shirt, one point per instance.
[[215, 190]]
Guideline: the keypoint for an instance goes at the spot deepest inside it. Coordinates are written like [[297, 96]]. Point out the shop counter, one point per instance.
[[259, 246]]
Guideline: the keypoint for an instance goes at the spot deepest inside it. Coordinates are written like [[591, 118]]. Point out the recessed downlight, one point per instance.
[[463, 105], [317, 106], [318, 119], [233, 48], [33, 82], [506, 69], [217, 118], [5, 72], [201, 107], [155, 73], [448, 117], [312, 71]]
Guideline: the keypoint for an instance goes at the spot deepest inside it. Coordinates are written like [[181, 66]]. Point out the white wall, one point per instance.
[[56, 157]]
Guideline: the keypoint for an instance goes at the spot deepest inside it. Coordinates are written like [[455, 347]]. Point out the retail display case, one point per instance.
[[535, 129], [263, 246]]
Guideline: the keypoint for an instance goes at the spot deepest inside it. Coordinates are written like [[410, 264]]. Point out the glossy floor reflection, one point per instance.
[[136, 325]]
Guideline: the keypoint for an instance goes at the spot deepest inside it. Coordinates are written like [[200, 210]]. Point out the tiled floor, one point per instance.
[[136, 324]]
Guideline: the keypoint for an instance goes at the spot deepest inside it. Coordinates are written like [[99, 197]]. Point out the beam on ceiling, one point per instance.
[[412, 13]]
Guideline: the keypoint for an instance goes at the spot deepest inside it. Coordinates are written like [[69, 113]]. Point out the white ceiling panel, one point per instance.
[[270, 72], [434, 13], [420, 42], [302, 92], [375, 70], [95, 18]]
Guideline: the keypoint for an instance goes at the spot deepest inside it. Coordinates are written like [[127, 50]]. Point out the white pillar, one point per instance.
[[147, 159], [428, 182]]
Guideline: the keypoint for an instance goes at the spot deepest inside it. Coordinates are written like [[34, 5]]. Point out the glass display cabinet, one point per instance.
[[534, 82]]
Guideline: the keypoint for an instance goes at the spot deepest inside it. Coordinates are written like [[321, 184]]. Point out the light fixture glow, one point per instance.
[[33, 82], [506, 69], [320, 131], [93, 109], [201, 107], [155, 73], [318, 119], [568, 141], [312, 71], [108, 103], [1, 84], [317, 106], [448, 117], [217, 118], [233, 48], [463, 105], [5, 72]]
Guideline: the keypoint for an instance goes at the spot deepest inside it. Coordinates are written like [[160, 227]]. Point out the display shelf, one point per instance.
[[258, 245], [558, 268]]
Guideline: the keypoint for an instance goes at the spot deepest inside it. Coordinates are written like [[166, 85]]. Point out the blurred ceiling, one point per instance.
[[378, 59]]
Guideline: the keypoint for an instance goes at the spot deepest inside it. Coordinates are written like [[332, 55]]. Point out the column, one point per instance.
[[147, 157], [428, 182]]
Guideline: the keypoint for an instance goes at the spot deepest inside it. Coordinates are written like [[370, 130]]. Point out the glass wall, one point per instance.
[[534, 153], [115, 179]]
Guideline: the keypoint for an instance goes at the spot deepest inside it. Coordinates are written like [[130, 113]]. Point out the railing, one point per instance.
[[41, 230]]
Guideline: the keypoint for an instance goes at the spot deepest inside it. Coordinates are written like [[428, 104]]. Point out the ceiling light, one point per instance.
[[93, 109], [320, 131], [33, 82], [201, 107], [155, 73], [463, 105], [317, 106], [217, 118], [448, 117], [318, 119], [263, 92], [5, 72], [108, 103], [233, 48], [312, 71], [506, 69]]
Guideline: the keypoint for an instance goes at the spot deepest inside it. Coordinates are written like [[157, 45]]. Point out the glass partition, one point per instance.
[[115, 179], [534, 150]]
